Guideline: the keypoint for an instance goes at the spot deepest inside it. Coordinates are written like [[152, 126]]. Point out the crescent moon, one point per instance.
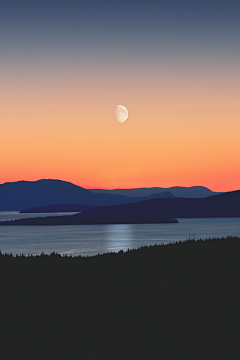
[[121, 113]]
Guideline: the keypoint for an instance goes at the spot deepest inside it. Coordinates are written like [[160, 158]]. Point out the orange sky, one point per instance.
[[183, 127]]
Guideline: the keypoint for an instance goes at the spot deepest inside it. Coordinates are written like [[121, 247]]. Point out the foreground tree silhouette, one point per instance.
[[173, 301]]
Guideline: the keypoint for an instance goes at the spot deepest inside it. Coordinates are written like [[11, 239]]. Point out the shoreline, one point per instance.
[[87, 220]]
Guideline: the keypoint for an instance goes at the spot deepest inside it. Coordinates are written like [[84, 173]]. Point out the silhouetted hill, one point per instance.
[[28, 194], [223, 205], [99, 219], [177, 191], [162, 195], [59, 208], [157, 210], [168, 302]]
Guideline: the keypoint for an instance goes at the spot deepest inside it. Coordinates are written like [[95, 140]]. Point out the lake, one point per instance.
[[98, 239]]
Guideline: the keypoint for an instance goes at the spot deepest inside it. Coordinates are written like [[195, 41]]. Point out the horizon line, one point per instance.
[[112, 189]]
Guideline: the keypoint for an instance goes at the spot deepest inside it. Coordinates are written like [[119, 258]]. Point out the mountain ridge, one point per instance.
[[23, 194], [222, 205], [177, 191], [80, 208], [148, 211]]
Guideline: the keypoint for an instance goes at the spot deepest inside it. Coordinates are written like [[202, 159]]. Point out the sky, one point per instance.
[[175, 65]]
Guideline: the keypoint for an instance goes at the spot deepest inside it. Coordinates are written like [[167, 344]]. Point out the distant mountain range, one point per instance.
[[223, 205], [81, 208], [23, 195], [177, 191], [148, 211]]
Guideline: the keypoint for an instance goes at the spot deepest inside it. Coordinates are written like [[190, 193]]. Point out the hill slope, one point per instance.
[[157, 210], [177, 191], [27, 194], [30, 194], [223, 205]]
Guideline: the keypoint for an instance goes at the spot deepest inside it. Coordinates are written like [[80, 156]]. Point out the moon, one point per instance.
[[121, 113]]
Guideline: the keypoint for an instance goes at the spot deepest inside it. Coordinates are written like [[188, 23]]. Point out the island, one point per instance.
[[82, 219]]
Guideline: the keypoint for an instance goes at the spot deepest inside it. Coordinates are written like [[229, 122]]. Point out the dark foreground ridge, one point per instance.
[[179, 301]]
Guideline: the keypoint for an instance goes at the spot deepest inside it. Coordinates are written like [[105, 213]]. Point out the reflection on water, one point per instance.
[[97, 239], [120, 236]]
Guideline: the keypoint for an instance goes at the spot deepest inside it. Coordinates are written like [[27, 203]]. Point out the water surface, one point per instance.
[[97, 239]]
